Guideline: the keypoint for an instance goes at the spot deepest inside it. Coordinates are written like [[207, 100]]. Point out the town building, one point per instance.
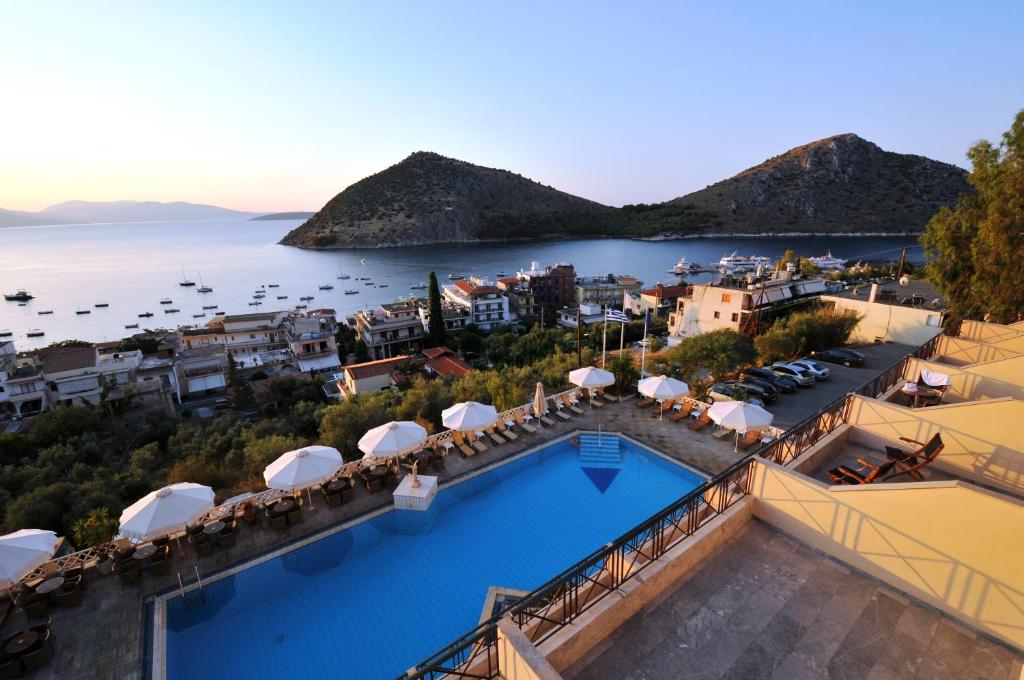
[[456, 317], [659, 301], [313, 345], [540, 291], [740, 304], [445, 363], [391, 330], [370, 376], [587, 314], [910, 312], [522, 303], [200, 371], [606, 291], [8, 361], [486, 304], [249, 339], [72, 376]]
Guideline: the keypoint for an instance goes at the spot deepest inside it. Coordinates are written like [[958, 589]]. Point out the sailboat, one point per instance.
[[203, 288], [342, 276], [184, 281]]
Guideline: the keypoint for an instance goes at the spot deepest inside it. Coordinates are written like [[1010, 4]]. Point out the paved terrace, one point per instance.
[[104, 636], [766, 606]]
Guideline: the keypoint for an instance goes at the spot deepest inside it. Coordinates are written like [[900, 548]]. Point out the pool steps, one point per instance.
[[597, 450]]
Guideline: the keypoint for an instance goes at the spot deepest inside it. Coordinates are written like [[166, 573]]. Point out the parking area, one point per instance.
[[789, 409]]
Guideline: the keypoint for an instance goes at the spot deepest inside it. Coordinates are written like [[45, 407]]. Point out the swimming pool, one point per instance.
[[374, 599]]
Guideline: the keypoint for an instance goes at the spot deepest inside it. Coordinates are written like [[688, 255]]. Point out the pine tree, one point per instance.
[[435, 329]]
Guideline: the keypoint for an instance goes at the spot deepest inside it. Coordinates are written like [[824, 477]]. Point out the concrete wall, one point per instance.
[[987, 380], [894, 323], [949, 544], [518, 659], [1009, 337], [963, 351], [984, 440]]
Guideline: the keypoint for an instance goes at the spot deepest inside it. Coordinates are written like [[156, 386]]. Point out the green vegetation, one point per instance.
[[975, 250], [803, 332], [716, 353], [70, 343]]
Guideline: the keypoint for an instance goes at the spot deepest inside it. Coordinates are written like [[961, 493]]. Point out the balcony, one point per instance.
[[200, 371]]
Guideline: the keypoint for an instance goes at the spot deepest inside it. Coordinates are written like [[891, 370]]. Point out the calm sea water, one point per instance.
[[133, 266]]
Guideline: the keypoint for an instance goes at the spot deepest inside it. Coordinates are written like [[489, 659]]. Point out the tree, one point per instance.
[[623, 369], [362, 352], [148, 345], [424, 401], [70, 343], [718, 352], [435, 330], [95, 528], [803, 332], [975, 250], [343, 424], [242, 396]]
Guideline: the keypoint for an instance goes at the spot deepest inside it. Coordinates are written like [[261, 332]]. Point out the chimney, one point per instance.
[[874, 292]]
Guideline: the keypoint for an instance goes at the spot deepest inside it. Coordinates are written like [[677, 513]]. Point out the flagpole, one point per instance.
[[622, 336], [643, 347], [604, 338]]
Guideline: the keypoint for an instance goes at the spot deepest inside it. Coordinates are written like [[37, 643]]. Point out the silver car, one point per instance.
[[798, 373], [819, 371]]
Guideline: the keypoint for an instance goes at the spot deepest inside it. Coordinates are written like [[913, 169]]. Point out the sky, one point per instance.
[[279, 106]]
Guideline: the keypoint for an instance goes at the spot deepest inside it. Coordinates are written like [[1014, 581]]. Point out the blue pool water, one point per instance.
[[371, 601]]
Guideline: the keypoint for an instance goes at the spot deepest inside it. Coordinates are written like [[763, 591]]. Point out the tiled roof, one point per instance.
[[372, 368], [435, 352], [57, 359], [451, 366], [666, 291], [469, 289], [509, 280]]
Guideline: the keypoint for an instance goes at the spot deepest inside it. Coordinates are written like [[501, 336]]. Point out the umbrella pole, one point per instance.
[[309, 495]]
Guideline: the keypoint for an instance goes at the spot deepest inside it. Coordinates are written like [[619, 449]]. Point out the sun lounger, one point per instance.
[[562, 414], [506, 431], [495, 437], [749, 439], [521, 420], [702, 421], [474, 441], [865, 474], [467, 451], [547, 421], [607, 397], [661, 410], [721, 433], [645, 402], [682, 414]]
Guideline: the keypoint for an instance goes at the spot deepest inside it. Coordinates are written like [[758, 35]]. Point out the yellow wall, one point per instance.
[[894, 323], [987, 380], [994, 333], [962, 351], [984, 440], [950, 544]]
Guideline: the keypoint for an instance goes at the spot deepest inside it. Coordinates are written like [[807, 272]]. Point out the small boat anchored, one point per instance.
[[35, 333], [18, 296], [198, 316], [45, 311], [166, 301], [455, 277], [131, 325], [418, 286], [273, 285], [145, 315], [326, 286], [83, 311], [306, 298], [282, 297], [101, 304], [349, 291], [171, 310], [185, 282], [203, 288], [5, 333], [209, 306], [683, 267]]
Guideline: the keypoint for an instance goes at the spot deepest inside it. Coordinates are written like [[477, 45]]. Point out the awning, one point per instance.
[[319, 364]]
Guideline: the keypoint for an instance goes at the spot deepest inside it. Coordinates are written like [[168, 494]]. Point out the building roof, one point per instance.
[[509, 280], [370, 369], [892, 293], [449, 365], [470, 289], [666, 291], [256, 316], [57, 359]]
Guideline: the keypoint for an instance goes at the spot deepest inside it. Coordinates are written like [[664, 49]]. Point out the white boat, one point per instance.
[[5, 333], [184, 281], [45, 311], [209, 306], [455, 277], [827, 262], [351, 292], [326, 286], [418, 286], [739, 263], [166, 301], [363, 261], [304, 298], [131, 325], [683, 267], [203, 288]]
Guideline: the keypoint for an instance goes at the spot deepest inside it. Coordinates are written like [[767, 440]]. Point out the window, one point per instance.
[[726, 297], [717, 315], [735, 316]]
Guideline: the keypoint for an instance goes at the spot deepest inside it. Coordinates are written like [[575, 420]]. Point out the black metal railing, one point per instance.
[[805, 434]]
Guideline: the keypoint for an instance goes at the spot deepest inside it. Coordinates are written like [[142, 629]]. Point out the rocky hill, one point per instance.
[[842, 184]]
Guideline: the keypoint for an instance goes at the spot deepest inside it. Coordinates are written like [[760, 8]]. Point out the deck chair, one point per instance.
[[910, 462], [495, 437], [460, 442], [560, 410], [521, 421], [682, 414], [607, 397], [476, 443], [751, 438], [570, 403], [701, 422], [645, 402], [865, 474], [506, 431], [660, 411]]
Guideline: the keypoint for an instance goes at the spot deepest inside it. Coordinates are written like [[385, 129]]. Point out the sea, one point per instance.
[[131, 267]]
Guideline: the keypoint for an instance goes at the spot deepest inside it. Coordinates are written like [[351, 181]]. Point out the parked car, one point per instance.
[[732, 392], [797, 373], [769, 389], [755, 390], [819, 371], [783, 383], [839, 355]]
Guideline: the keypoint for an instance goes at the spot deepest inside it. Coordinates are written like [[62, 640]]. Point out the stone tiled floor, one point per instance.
[[768, 607]]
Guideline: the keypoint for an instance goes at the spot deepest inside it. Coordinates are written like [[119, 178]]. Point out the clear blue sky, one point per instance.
[[275, 106]]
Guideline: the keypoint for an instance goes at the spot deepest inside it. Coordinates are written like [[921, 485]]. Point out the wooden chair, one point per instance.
[[460, 441], [645, 402], [702, 421], [751, 438], [572, 404], [507, 431], [607, 397], [476, 443], [910, 463], [865, 474], [521, 422], [682, 414], [494, 436], [665, 407]]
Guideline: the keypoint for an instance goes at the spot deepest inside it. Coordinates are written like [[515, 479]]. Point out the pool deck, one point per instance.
[[104, 636]]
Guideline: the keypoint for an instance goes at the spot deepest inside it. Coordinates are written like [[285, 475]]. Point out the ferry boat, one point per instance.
[[166, 301], [351, 292], [45, 311], [83, 311], [326, 286], [19, 296], [145, 315], [455, 277], [683, 267], [131, 325], [827, 262], [35, 333], [185, 282], [739, 263], [101, 304]]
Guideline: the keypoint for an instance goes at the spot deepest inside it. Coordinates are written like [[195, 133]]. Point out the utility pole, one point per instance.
[[903, 262]]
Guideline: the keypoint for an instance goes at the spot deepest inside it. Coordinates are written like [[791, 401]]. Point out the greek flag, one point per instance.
[[615, 315]]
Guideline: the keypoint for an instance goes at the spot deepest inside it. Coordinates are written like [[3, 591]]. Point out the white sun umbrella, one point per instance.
[[166, 511], [663, 388], [468, 416], [540, 406], [392, 439], [739, 416], [302, 468], [590, 378], [23, 551]]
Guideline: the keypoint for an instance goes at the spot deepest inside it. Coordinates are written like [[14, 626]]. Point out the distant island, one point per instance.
[[282, 216], [840, 185], [92, 212]]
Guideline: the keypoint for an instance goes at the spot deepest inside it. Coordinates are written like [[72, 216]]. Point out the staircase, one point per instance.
[[600, 450]]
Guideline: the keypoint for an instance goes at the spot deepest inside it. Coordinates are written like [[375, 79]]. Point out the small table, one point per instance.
[[22, 642], [213, 528], [283, 506], [144, 552], [337, 485], [50, 585], [917, 392], [379, 471]]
